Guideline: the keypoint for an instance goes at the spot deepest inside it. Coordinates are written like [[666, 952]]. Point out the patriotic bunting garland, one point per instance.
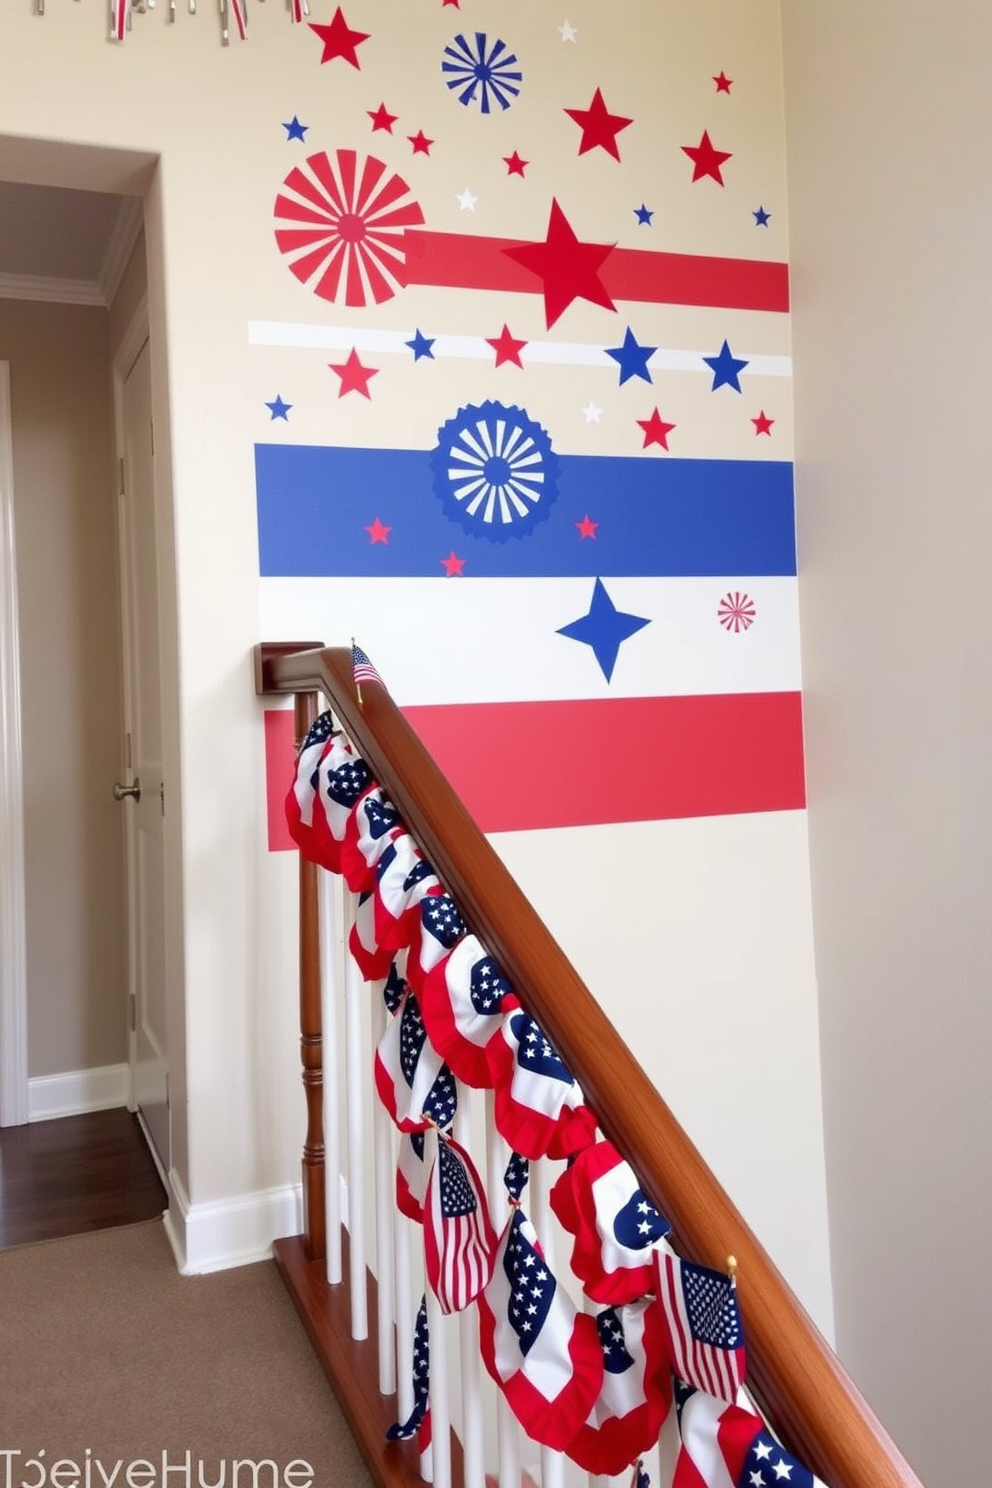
[[616, 1228], [598, 1388]]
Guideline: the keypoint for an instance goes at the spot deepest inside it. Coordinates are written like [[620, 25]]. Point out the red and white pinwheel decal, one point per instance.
[[341, 222]]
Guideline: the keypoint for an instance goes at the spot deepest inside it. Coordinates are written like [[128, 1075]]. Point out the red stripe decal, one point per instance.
[[457, 261], [526, 765]]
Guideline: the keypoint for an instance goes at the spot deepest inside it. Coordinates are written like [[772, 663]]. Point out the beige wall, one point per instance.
[[891, 223], [738, 992], [66, 568]]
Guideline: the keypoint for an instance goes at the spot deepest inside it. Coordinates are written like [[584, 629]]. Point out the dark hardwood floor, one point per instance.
[[75, 1174]]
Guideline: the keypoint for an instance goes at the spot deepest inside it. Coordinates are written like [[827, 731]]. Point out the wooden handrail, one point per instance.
[[792, 1371]]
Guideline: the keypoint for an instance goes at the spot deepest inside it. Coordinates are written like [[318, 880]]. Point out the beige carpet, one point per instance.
[[105, 1347]]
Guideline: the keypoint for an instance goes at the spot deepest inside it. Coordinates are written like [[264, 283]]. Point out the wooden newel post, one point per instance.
[[311, 1031]]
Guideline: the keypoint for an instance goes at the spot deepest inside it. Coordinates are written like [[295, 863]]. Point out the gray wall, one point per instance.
[[64, 509], [888, 128]]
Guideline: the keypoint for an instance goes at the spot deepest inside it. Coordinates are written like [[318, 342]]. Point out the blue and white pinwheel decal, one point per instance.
[[481, 73], [494, 471]]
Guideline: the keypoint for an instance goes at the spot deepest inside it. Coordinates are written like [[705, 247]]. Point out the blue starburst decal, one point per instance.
[[495, 471], [484, 73]]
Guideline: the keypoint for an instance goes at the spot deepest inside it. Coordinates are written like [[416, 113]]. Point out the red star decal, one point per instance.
[[339, 40], [705, 160], [723, 83], [453, 565], [354, 377], [382, 118], [379, 533], [656, 431], [514, 165], [569, 269], [421, 144], [506, 347], [599, 126], [587, 527], [763, 424]]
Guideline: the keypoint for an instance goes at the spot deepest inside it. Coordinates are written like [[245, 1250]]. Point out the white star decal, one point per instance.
[[466, 200], [568, 33], [592, 413]]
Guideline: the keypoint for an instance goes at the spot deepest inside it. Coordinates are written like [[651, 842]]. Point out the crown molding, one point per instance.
[[55, 291], [127, 227]]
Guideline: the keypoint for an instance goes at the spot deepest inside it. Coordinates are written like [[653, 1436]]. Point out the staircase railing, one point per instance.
[[793, 1374]]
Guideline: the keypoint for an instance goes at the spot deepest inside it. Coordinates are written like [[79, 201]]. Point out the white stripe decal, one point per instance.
[[476, 348], [495, 640]]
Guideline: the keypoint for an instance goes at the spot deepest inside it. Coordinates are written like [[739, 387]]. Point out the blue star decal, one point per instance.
[[643, 215], [726, 369], [605, 629], [761, 217], [421, 346], [278, 409], [295, 130], [632, 358]]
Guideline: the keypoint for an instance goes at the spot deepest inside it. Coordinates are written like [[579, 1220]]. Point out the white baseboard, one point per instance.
[[229, 1232], [78, 1091]]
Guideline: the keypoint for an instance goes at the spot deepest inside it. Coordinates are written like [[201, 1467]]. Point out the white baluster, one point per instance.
[[385, 1214], [331, 913], [552, 1463], [356, 1079], [473, 1420], [507, 1430]]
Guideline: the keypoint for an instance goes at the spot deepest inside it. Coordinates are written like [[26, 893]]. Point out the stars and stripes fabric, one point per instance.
[[386, 919], [464, 1000], [437, 930], [368, 832], [362, 668], [614, 1225], [413, 1082], [459, 1240], [636, 1392], [517, 1176], [418, 1423], [540, 1350], [303, 807], [716, 1445], [539, 1107], [703, 1330], [411, 1176]]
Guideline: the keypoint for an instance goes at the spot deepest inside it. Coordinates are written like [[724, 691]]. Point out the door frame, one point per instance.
[[127, 352], [13, 921]]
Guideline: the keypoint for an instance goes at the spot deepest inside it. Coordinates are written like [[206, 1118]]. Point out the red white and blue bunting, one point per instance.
[[233, 14], [664, 1349]]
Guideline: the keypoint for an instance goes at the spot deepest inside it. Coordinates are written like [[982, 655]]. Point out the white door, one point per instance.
[[141, 790]]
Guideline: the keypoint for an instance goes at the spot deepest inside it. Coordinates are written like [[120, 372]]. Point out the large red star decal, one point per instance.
[[656, 431], [452, 565], [568, 268], [706, 161], [421, 144], [354, 376], [382, 118], [339, 40], [379, 533], [506, 347], [599, 126]]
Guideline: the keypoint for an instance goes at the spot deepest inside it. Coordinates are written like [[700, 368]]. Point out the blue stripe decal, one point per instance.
[[656, 517]]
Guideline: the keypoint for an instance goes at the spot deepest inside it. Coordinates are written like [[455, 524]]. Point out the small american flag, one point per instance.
[[362, 668], [458, 1237], [703, 1324]]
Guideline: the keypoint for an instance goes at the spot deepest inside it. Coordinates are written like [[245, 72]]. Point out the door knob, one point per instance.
[[121, 792]]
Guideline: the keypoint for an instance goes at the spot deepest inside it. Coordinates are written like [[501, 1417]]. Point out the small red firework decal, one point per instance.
[[736, 611], [349, 216]]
